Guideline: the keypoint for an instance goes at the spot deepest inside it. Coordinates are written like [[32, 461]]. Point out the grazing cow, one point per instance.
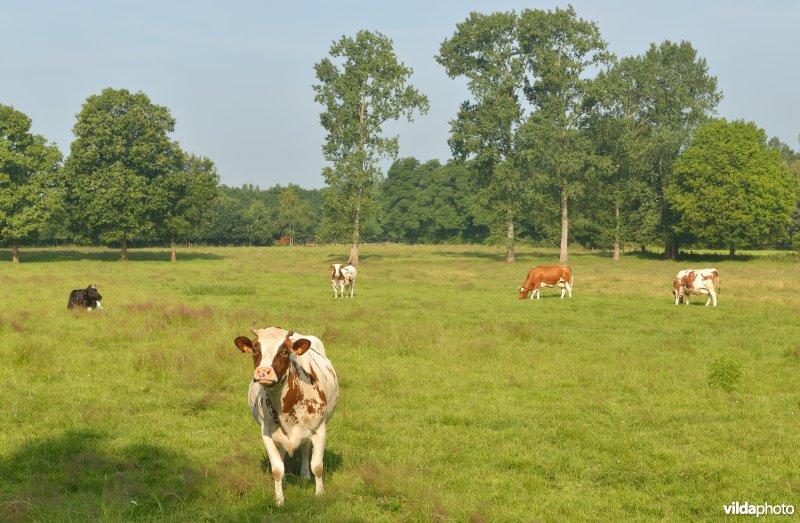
[[292, 395], [343, 276], [87, 298], [690, 281], [547, 276]]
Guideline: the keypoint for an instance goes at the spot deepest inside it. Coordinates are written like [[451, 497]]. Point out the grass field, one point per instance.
[[459, 402]]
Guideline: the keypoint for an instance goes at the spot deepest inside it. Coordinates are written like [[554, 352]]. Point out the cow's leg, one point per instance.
[[318, 449], [276, 463], [711, 296], [686, 299], [352, 287], [305, 448], [333, 284], [569, 289], [563, 290]]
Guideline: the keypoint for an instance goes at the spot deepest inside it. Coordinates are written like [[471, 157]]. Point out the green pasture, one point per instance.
[[459, 402]]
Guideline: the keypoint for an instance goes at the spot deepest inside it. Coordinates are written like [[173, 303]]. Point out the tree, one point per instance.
[[361, 91], [730, 189], [30, 197], [258, 224], [485, 50], [682, 95], [560, 49], [186, 197], [121, 149], [428, 203], [227, 225], [792, 160], [294, 215], [621, 129]]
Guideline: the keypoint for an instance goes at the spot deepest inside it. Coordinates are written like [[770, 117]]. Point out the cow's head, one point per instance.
[[92, 294], [336, 271], [677, 292], [272, 351], [523, 293]]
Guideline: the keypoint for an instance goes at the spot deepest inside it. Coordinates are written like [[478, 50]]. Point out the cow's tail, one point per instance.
[[719, 285]]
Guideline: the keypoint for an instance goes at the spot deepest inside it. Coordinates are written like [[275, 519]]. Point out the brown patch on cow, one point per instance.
[[280, 363], [333, 372], [293, 395], [688, 280]]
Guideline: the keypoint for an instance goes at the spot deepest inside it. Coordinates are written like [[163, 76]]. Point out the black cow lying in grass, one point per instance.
[[87, 298]]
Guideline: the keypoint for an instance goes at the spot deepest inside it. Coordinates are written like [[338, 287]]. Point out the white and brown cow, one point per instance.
[[343, 276], [292, 395], [696, 281], [547, 276]]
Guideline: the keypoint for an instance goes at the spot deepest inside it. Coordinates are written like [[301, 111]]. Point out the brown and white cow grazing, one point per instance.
[[547, 276], [292, 395], [692, 281], [343, 276]]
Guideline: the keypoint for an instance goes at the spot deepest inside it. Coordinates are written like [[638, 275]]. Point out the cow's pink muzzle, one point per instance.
[[265, 376]]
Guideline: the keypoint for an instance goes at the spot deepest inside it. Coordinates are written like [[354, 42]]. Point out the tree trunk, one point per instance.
[[616, 233], [356, 230], [732, 252], [15, 253], [124, 250], [562, 258], [510, 232], [173, 253]]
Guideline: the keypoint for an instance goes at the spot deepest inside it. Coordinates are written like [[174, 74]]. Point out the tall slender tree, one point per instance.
[[561, 51], [122, 146], [361, 87], [30, 196], [621, 131], [683, 95], [485, 50]]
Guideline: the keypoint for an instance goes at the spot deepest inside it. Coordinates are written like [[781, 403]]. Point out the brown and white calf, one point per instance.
[[343, 276], [693, 281], [292, 395], [547, 276]]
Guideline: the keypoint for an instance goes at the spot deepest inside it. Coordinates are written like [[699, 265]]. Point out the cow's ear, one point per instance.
[[244, 344], [301, 346]]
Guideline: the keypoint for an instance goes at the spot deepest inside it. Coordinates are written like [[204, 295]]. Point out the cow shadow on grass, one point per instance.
[[331, 462], [74, 476], [53, 256]]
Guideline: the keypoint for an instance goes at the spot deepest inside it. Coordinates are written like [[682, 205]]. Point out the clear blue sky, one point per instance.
[[237, 75]]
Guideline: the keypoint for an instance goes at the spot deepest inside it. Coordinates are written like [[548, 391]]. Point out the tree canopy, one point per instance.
[[730, 189], [121, 153]]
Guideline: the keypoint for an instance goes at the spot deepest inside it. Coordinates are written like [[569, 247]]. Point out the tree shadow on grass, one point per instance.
[[521, 255], [692, 256], [51, 256], [362, 257], [73, 477]]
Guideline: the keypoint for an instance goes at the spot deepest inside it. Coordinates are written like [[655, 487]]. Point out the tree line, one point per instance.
[[560, 141]]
